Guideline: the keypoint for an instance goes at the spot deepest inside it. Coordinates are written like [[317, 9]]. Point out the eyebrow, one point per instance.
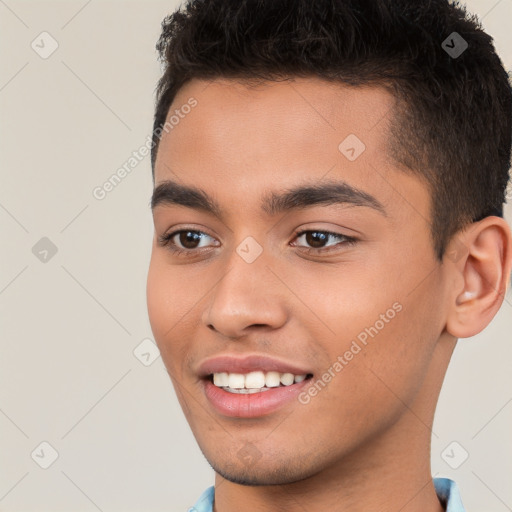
[[273, 203]]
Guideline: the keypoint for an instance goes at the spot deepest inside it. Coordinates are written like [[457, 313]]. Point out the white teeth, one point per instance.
[[254, 382], [221, 379], [236, 380], [272, 380], [287, 379]]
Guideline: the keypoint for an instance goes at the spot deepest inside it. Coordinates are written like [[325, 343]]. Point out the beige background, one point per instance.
[[70, 325]]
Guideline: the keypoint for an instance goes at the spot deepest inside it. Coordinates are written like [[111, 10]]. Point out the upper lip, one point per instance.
[[249, 363]]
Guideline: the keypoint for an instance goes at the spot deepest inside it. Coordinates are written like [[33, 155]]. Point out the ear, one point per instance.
[[481, 257]]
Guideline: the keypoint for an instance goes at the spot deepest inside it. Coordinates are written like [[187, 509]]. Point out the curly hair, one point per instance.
[[452, 122]]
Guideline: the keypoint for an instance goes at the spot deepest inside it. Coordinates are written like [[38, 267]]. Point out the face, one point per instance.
[[304, 265]]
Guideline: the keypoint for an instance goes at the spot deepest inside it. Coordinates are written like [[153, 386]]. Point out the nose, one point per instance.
[[248, 296]]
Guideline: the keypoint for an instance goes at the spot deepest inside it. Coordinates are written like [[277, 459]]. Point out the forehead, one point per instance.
[[242, 139], [270, 118]]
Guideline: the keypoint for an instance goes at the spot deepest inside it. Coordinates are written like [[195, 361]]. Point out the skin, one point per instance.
[[363, 442]]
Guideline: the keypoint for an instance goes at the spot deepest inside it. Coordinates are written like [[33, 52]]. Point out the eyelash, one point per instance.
[[166, 241]]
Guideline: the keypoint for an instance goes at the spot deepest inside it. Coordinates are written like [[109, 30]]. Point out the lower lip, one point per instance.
[[252, 405]]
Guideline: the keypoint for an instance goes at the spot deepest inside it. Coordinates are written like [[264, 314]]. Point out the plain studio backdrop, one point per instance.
[[88, 417]]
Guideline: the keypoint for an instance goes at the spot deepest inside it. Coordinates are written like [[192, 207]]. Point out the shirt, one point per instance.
[[446, 489]]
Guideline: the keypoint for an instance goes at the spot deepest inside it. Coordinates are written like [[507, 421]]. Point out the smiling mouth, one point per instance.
[[255, 382]]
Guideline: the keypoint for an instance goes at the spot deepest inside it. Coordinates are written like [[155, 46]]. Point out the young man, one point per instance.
[[329, 177]]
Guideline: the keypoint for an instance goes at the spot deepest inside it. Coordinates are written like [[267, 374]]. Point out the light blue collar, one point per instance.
[[205, 501], [448, 493], [446, 489]]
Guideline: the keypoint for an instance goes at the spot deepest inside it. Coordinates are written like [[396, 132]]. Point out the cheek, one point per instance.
[[166, 309], [344, 303], [377, 317], [158, 300], [171, 294], [400, 344]]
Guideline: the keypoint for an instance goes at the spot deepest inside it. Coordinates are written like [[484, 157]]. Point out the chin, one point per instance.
[[261, 473]]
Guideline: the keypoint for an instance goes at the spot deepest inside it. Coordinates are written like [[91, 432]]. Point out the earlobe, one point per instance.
[[485, 272]]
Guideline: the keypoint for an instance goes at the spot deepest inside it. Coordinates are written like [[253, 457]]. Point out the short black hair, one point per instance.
[[452, 121]]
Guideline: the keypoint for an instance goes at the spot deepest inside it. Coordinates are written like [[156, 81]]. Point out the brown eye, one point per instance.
[[184, 241], [189, 239], [317, 240]]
